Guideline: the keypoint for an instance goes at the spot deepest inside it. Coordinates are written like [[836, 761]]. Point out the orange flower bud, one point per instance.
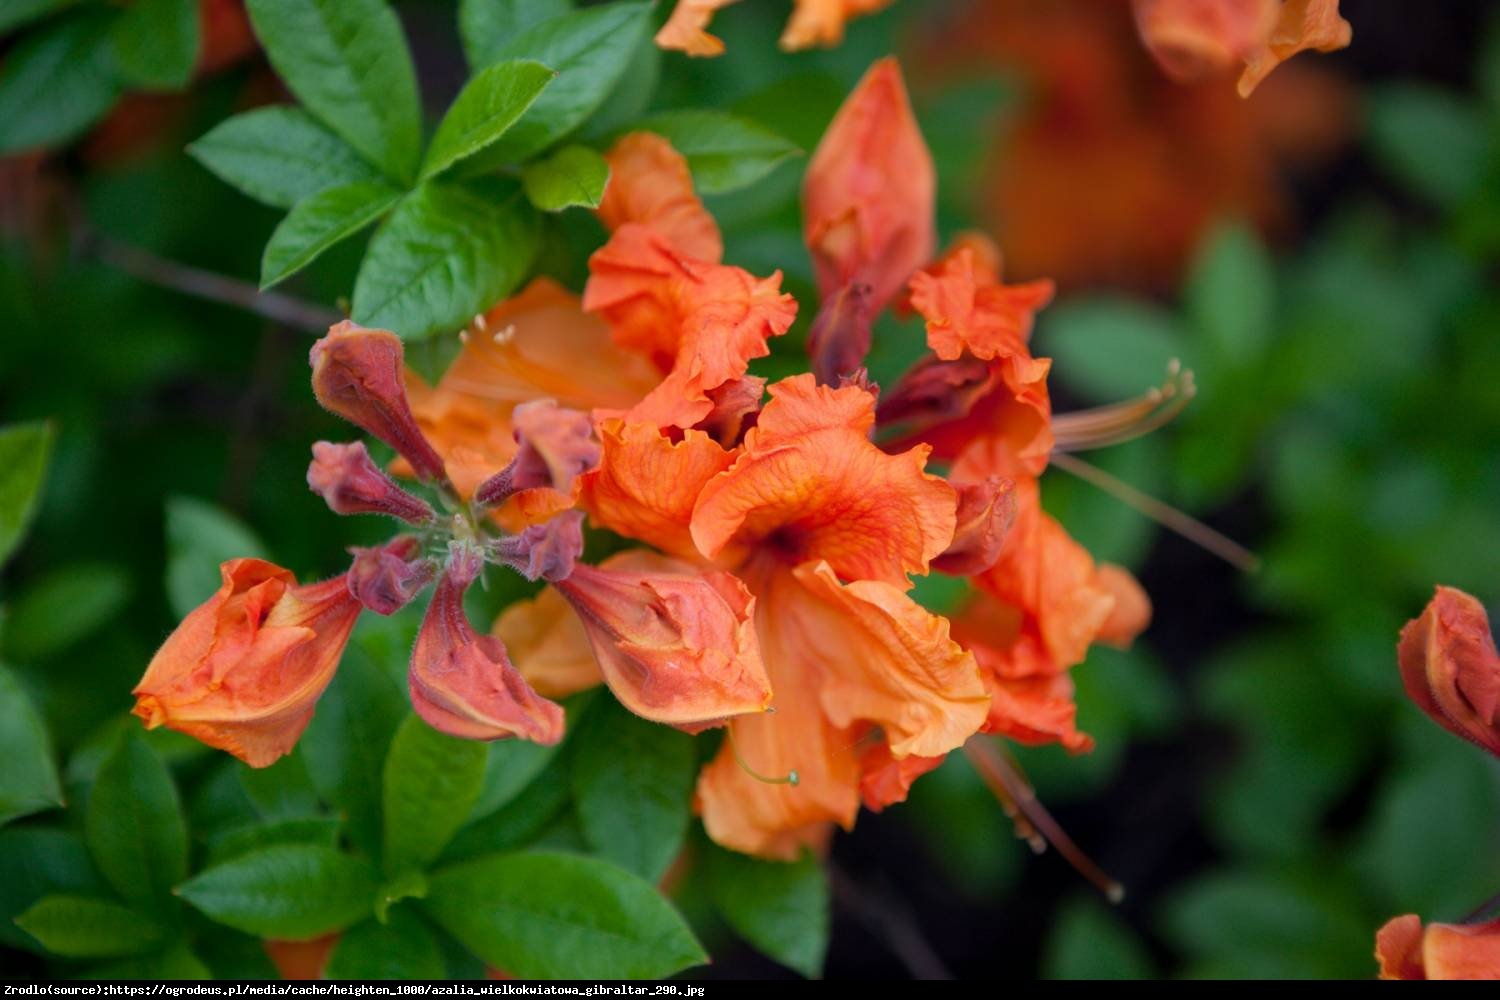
[[463, 684], [357, 374], [546, 551], [244, 669], [840, 335], [557, 445], [986, 510], [388, 578], [347, 478], [675, 646], [1451, 669], [1443, 951]]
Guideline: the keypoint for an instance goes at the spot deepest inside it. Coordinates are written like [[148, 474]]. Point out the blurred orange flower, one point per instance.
[[1441, 951], [1451, 669], [813, 23]]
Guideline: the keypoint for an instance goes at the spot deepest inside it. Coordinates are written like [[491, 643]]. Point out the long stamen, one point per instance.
[[1164, 514], [1117, 423], [1482, 910], [1005, 780], [790, 778]]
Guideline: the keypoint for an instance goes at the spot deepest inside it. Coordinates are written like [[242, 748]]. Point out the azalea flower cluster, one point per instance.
[[779, 525], [1452, 672]]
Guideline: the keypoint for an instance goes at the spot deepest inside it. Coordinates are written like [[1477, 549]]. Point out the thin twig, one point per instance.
[[892, 923], [1164, 514]]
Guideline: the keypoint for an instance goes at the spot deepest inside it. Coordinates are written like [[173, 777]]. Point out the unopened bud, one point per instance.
[[347, 478], [546, 551], [388, 578], [555, 446]]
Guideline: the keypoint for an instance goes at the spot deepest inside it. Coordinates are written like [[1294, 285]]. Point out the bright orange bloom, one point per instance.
[[244, 670], [649, 183], [1451, 669], [1442, 951], [1300, 25], [813, 23], [968, 310]]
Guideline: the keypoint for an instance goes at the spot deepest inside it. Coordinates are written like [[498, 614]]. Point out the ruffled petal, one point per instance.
[[649, 183], [1300, 25]]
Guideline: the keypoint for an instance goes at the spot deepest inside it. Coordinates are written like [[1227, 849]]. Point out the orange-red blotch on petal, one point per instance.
[[968, 310], [649, 183], [1300, 25], [1443, 951], [986, 511], [885, 780], [464, 684], [686, 30], [675, 644], [646, 483], [821, 22], [808, 485], [1451, 669], [1194, 39], [868, 198], [244, 670]]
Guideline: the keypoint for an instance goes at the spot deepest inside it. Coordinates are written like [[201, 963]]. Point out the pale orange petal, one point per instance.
[[967, 309], [821, 22], [686, 30], [885, 780], [1398, 948], [1132, 611], [1194, 39], [649, 183], [1462, 951], [548, 644], [1300, 25]]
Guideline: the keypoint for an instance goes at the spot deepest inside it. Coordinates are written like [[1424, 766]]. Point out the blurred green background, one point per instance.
[[1260, 784]]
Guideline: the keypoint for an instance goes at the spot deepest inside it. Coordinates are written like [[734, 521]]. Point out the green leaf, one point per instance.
[[14, 13], [347, 61], [56, 82], [590, 50], [156, 43], [28, 780], [486, 25], [403, 948], [782, 909], [724, 151], [1436, 141], [447, 252], [484, 110], [282, 791], [431, 782], [632, 786], [318, 831], [24, 450], [1090, 942], [561, 916], [64, 607], [510, 767], [176, 962], [1231, 293], [80, 927], [200, 536], [521, 821], [134, 826], [1110, 348], [279, 156], [291, 891], [36, 862], [320, 221], [574, 176]]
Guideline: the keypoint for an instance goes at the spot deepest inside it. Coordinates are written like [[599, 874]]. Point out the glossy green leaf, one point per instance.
[[1090, 942], [484, 110], [35, 862], [1110, 348], [82, 927], [291, 891], [319, 831], [200, 536], [590, 51], [347, 62], [448, 252], [486, 25], [284, 790], [522, 819], [633, 786], [24, 450], [1436, 141], [510, 766], [432, 781], [64, 607], [573, 177], [782, 909], [134, 825], [56, 82], [403, 948], [1231, 293], [320, 221], [28, 780], [156, 43], [724, 151], [540, 915], [279, 155]]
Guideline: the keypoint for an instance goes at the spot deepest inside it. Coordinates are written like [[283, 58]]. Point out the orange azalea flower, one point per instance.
[[1300, 25], [244, 670], [1442, 951], [1451, 669], [813, 23]]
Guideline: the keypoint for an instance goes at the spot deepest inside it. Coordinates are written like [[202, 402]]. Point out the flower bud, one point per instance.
[[840, 335], [347, 478], [388, 578], [245, 668], [1451, 669], [463, 684], [357, 374], [556, 445], [986, 510], [546, 551], [674, 647]]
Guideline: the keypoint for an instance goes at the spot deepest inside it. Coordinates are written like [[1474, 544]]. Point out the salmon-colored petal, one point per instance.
[[808, 485], [1194, 39], [1462, 951], [548, 644], [821, 22], [967, 309], [886, 660], [1036, 711], [686, 29], [1132, 610], [868, 198], [885, 780], [1451, 669], [649, 183], [1300, 25], [1398, 948], [646, 483], [986, 510]]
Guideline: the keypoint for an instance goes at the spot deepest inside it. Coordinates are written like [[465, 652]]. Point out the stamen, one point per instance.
[[480, 323], [505, 335], [1169, 517], [1117, 423], [1033, 823], [791, 777]]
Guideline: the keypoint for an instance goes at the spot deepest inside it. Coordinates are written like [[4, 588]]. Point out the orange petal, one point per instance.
[[1398, 948], [301, 959], [649, 183], [1132, 611], [548, 644], [885, 780], [986, 511], [1036, 711], [868, 198], [821, 22], [886, 660], [1300, 25], [808, 484], [646, 484], [967, 309], [1462, 951], [1451, 669], [686, 30], [1194, 39]]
